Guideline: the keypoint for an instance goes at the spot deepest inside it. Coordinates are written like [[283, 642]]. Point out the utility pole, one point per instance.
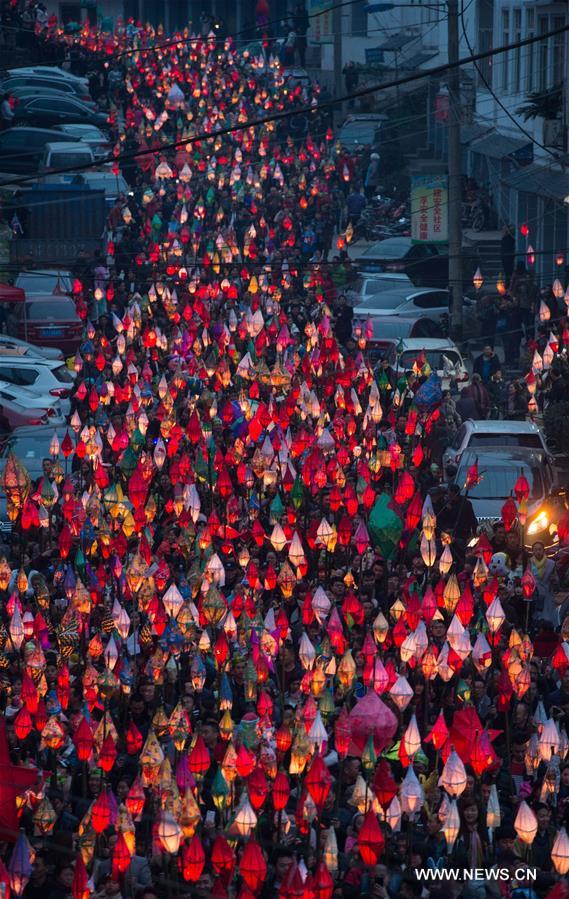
[[338, 64], [454, 175]]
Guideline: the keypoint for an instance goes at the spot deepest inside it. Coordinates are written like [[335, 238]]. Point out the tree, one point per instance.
[[542, 104]]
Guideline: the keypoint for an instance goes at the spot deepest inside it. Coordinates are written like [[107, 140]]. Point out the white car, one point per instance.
[[13, 346], [28, 400], [368, 285], [91, 135], [443, 357], [65, 155], [417, 302], [44, 281], [487, 436], [51, 378]]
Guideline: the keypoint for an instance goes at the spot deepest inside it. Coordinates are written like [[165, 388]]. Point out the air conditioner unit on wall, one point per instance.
[[554, 133]]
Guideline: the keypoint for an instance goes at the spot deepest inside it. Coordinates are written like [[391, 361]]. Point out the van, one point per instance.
[[101, 179], [66, 155]]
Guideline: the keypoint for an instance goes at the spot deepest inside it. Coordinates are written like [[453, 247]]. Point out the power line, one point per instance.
[[305, 110]]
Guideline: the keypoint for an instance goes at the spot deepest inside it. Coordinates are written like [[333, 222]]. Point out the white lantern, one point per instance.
[[560, 852], [169, 833], [453, 777], [412, 795], [526, 824], [451, 826], [412, 738], [493, 814]]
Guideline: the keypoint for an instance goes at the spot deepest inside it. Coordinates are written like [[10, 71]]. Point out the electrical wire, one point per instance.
[[305, 110]]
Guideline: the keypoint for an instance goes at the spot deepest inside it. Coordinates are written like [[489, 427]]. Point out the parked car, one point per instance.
[[51, 72], [366, 285], [44, 376], [20, 406], [442, 356], [360, 132], [498, 472], [418, 301], [50, 320], [486, 436], [44, 281], [97, 140], [24, 91], [31, 446], [48, 111], [389, 330], [22, 148], [44, 82], [65, 155], [12, 346], [111, 184], [424, 263]]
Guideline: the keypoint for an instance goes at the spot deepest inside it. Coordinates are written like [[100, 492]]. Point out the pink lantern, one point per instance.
[[371, 717]]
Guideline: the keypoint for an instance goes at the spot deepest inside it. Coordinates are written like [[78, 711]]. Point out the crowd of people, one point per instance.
[[250, 645]]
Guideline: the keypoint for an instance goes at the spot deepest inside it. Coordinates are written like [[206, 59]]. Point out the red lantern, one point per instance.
[[253, 867], [134, 739], [108, 753], [280, 792], [80, 886], [101, 813], [23, 724], [384, 786], [258, 788], [529, 583], [509, 514], [318, 782], [121, 857], [342, 733], [222, 858], [322, 882], [245, 761], [370, 839], [521, 488], [84, 741], [198, 759], [192, 860], [283, 737]]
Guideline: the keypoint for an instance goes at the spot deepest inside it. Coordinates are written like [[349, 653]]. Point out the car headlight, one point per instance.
[[539, 523]]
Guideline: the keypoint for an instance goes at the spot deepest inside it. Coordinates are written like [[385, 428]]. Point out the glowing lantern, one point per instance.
[[560, 852], [453, 776], [169, 833], [370, 839], [192, 860], [525, 823]]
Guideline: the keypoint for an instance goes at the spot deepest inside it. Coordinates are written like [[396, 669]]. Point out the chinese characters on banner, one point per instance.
[[429, 208], [321, 25]]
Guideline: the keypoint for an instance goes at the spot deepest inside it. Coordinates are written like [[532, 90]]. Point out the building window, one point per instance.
[[558, 50], [505, 42], [517, 29], [543, 55], [359, 18], [530, 50]]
